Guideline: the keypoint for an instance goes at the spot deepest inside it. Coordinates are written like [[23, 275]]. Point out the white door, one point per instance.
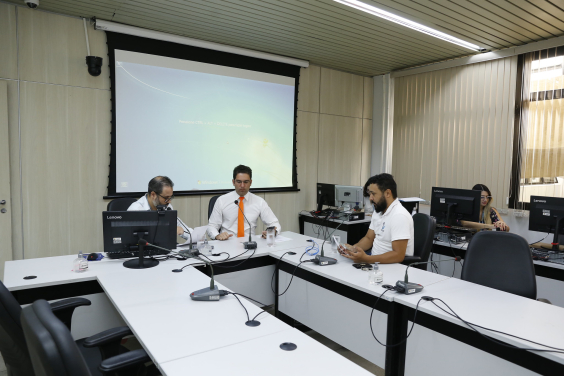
[[5, 206]]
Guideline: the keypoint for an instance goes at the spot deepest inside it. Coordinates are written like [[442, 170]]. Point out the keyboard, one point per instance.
[[457, 228], [129, 254], [542, 254]]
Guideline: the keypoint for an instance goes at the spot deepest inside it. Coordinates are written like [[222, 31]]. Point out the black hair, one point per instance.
[[481, 187], [383, 181], [241, 169], [158, 183]]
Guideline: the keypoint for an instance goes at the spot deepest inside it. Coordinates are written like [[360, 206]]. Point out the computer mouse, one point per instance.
[[92, 257]]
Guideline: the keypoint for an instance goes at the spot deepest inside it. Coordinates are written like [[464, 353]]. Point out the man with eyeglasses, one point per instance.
[[160, 194], [226, 215]]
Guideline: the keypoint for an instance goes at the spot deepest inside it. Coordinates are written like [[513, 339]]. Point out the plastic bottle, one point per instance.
[[80, 264], [375, 276]]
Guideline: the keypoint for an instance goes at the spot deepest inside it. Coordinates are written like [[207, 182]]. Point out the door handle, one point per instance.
[[2, 202], [3, 210]]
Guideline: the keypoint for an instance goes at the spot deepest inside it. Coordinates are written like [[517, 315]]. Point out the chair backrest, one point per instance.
[[121, 204], [51, 347], [211, 205], [502, 261], [423, 233], [12, 340]]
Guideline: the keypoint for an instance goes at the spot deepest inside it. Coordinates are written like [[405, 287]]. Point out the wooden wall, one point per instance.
[[59, 124]]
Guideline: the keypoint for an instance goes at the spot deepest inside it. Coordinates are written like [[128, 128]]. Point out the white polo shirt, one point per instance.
[[395, 224]]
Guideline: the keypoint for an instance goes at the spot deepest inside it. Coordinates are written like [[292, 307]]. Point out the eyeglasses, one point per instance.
[[167, 199], [485, 197], [243, 181]]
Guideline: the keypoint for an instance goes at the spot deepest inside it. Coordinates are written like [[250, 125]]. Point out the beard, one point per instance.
[[381, 205], [156, 202]]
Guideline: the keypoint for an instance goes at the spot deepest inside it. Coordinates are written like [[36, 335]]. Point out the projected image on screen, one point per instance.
[[194, 122]]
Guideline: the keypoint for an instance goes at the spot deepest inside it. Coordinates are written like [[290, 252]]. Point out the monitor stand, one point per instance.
[[555, 242], [141, 262]]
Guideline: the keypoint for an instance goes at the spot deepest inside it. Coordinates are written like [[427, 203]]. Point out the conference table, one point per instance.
[[183, 336]]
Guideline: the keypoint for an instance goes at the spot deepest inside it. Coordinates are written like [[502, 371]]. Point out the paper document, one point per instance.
[[280, 239]]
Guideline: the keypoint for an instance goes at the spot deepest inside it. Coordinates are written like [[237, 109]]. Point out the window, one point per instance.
[[538, 167]]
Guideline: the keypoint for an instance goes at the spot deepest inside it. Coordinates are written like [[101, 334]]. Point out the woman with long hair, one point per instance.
[[488, 214]]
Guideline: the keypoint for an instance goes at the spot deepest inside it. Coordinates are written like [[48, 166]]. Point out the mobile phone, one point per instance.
[[363, 266]]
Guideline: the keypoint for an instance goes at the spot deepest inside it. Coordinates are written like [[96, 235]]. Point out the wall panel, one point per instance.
[[65, 156], [339, 150], [8, 44], [341, 93], [53, 50], [308, 96]]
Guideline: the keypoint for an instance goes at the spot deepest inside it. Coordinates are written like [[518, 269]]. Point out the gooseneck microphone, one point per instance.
[[250, 244], [211, 293], [409, 288]]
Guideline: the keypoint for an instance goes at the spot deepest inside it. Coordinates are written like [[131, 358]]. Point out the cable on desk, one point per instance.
[[247, 312], [472, 326], [538, 241], [276, 268], [234, 266], [410, 330], [294, 272]]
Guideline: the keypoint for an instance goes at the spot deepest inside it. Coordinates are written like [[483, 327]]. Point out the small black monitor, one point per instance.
[[325, 195], [546, 215], [449, 205], [123, 230]]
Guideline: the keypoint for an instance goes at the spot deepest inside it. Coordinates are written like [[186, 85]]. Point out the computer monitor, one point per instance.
[[546, 215], [349, 194], [123, 230], [449, 205], [325, 195]]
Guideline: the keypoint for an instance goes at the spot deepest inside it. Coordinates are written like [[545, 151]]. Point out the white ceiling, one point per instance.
[[331, 34]]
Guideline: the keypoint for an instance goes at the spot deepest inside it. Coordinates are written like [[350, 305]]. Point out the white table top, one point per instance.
[[58, 270], [491, 308], [343, 272], [263, 356], [156, 305]]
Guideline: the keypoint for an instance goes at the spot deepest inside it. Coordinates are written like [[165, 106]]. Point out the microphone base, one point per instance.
[[252, 323], [206, 295], [250, 245], [408, 288], [323, 260], [145, 263]]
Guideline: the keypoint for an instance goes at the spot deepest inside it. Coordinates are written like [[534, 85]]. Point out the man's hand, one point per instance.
[[223, 236], [179, 230], [354, 253], [264, 234]]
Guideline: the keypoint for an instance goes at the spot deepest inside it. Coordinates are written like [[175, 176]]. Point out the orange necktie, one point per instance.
[[241, 219]]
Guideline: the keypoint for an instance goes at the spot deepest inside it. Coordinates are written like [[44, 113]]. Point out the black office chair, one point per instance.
[[211, 205], [12, 341], [121, 204], [502, 261], [423, 233], [54, 352]]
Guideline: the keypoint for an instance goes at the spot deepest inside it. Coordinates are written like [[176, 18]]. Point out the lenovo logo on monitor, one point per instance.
[[114, 217]]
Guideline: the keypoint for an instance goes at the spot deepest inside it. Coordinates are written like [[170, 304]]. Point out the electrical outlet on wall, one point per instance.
[[503, 211], [519, 213]]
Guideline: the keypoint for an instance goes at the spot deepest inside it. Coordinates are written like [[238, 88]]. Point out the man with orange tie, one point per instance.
[[227, 217]]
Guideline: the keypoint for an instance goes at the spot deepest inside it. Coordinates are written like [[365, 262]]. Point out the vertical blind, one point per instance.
[[454, 128]]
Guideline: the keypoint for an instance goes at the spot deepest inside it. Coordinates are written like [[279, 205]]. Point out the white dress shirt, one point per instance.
[[395, 224], [198, 233], [225, 214]]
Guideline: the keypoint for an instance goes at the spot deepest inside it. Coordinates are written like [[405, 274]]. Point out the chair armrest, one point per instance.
[[108, 341], [64, 309], [123, 361], [410, 260], [107, 337]]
